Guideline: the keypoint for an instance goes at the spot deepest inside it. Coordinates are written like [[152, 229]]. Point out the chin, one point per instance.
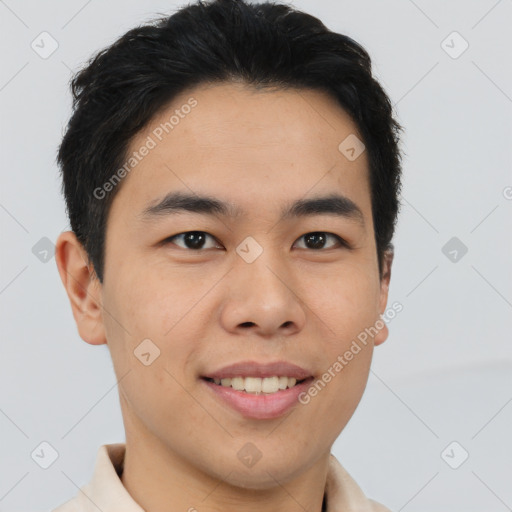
[[264, 474], [264, 478]]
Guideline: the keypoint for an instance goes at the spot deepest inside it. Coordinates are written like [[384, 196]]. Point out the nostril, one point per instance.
[[247, 324]]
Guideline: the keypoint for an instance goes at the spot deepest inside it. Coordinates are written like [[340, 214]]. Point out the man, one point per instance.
[[231, 175]]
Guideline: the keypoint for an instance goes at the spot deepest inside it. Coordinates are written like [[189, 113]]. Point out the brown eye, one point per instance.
[[317, 240], [194, 240]]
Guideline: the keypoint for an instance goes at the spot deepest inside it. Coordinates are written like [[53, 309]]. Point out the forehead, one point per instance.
[[233, 113], [233, 141]]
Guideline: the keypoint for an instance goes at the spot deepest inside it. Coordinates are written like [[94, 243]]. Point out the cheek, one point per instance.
[[336, 393], [347, 305], [144, 327], [145, 301], [346, 301], [147, 335]]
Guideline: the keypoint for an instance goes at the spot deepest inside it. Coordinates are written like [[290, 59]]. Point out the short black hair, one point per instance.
[[264, 44]]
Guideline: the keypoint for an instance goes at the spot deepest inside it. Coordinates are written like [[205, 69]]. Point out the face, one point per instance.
[[207, 288]]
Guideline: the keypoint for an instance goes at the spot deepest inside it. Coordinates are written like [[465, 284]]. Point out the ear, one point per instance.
[[82, 286], [387, 261]]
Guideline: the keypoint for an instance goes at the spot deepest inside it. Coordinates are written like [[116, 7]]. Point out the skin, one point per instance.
[[259, 150]]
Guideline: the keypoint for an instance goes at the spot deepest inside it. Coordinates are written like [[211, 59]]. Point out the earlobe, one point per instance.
[[82, 287], [383, 333]]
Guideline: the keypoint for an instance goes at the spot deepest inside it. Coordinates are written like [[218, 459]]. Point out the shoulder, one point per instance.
[[375, 507]]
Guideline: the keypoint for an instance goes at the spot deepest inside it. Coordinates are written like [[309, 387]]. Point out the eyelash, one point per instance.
[[341, 241]]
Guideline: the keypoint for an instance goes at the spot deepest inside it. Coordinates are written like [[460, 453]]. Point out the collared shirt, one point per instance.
[[106, 492]]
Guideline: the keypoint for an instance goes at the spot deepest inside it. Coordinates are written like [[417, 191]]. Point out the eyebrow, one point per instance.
[[177, 202]]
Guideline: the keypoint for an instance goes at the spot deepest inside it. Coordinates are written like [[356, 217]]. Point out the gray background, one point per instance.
[[444, 374]]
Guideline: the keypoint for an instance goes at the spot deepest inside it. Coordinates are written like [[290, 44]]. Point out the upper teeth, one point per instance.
[[257, 384]]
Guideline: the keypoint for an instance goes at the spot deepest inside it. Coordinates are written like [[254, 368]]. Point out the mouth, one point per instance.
[[261, 401], [258, 391], [258, 385]]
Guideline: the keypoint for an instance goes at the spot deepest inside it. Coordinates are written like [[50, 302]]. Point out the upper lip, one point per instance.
[[254, 369]]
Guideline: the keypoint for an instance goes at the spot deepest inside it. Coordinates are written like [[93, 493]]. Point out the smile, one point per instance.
[[257, 385], [258, 405]]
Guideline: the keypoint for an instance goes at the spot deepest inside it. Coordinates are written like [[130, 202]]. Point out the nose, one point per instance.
[[262, 298]]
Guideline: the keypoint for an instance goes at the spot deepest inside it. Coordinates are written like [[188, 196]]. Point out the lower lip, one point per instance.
[[263, 406]]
